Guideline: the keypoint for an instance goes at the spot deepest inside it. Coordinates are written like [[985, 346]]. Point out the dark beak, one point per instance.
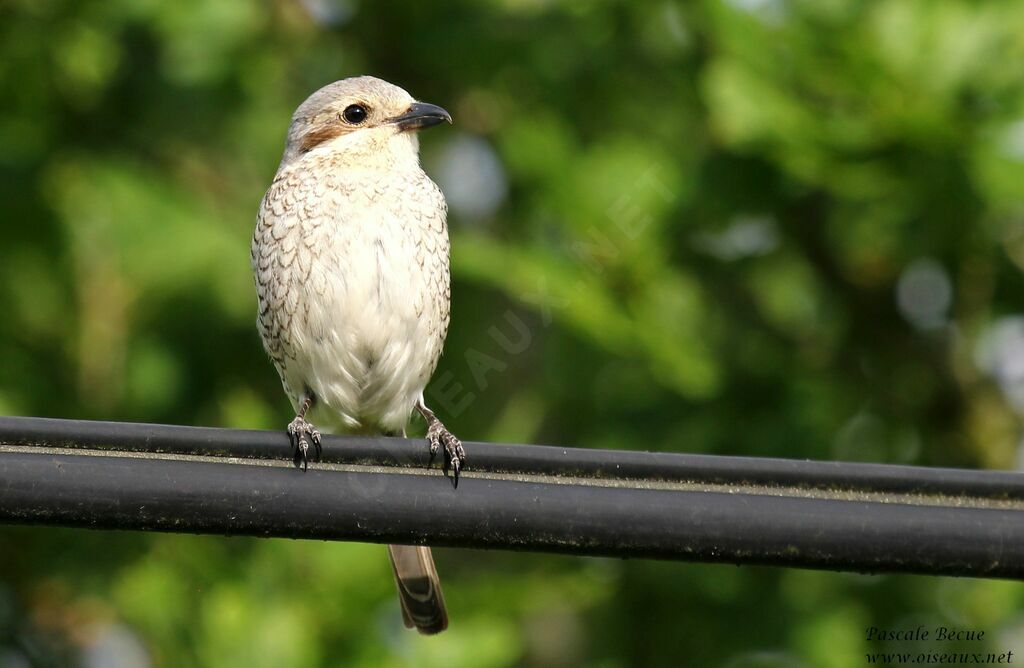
[[421, 115]]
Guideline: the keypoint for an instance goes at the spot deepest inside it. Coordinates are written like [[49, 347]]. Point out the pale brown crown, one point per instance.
[[322, 118]]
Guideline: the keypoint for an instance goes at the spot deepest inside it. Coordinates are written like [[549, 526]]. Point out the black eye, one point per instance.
[[354, 114]]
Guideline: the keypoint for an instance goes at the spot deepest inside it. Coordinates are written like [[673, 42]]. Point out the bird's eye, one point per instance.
[[354, 114]]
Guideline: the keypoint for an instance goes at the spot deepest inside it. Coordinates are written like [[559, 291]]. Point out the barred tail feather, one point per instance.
[[419, 588]]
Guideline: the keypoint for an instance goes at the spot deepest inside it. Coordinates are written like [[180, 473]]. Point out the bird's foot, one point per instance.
[[438, 436], [302, 433]]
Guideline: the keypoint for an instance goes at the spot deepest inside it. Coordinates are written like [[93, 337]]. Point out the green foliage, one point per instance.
[[749, 227]]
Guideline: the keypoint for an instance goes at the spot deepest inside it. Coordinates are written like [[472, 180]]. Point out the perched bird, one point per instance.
[[350, 257]]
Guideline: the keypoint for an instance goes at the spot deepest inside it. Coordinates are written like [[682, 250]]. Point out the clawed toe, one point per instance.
[[302, 433], [315, 436], [434, 439], [439, 437]]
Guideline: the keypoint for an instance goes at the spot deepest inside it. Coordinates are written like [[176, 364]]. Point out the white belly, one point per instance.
[[369, 341], [352, 277]]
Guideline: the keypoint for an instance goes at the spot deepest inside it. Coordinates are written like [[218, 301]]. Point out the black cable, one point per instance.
[[831, 515]]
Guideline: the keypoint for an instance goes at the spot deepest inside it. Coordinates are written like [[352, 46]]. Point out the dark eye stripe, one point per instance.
[[321, 135]]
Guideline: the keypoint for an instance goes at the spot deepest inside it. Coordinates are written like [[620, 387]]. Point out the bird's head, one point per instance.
[[363, 119]]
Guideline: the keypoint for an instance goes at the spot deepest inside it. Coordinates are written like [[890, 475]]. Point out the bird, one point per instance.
[[350, 257]]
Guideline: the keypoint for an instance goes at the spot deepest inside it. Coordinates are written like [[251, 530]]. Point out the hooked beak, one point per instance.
[[421, 115]]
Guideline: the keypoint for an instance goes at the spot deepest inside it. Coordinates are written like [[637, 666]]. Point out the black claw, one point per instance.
[[296, 449], [454, 455], [301, 433]]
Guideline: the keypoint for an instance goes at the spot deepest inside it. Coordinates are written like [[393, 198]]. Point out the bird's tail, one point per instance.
[[419, 588]]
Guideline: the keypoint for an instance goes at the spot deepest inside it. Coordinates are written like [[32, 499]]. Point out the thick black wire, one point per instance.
[[839, 516]]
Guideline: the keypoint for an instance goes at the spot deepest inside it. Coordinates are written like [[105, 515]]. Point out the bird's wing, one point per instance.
[[419, 588]]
